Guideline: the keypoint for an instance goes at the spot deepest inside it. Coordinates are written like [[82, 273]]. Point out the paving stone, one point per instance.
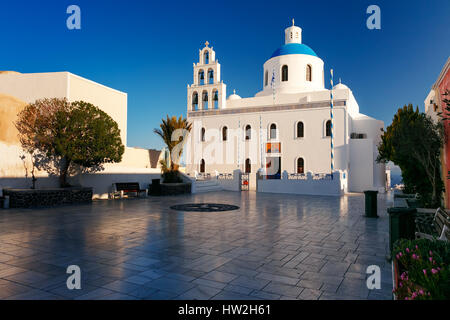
[[224, 277], [199, 292], [95, 294], [310, 294], [251, 283], [265, 295], [209, 283], [228, 295], [121, 286], [271, 242], [277, 278], [238, 289], [283, 289], [170, 285], [310, 284]]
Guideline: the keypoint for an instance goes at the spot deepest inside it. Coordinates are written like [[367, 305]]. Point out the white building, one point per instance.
[[19, 89], [284, 127]]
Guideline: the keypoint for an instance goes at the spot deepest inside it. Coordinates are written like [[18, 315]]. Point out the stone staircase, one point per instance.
[[208, 185]]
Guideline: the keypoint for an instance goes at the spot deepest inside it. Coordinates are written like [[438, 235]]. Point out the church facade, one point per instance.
[[288, 126]]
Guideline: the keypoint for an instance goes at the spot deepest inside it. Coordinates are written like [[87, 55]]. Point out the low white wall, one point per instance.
[[102, 182], [232, 184], [12, 174], [308, 186]]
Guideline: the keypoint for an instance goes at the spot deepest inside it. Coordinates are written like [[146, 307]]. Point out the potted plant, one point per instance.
[[173, 132], [421, 270]]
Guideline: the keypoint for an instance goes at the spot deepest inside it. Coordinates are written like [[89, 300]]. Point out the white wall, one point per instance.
[[296, 74], [231, 184], [309, 186], [16, 90], [101, 182], [361, 165], [32, 86], [314, 148]]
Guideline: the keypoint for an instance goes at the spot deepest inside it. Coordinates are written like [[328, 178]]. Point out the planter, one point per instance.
[[395, 277], [396, 273], [29, 198], [401, 224], [175, 188]]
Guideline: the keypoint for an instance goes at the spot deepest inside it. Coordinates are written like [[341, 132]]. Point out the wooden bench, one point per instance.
[[127, 188], [430, 226]]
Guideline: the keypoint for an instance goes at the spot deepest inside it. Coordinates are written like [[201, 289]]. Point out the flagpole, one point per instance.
[[332, 123], [273, 85], [261, 141], [239, 144]]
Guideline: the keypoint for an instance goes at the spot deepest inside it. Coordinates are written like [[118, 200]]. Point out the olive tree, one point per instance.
[[65, 137]]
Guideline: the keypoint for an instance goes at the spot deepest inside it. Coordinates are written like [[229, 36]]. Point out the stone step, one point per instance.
[[207, 187]]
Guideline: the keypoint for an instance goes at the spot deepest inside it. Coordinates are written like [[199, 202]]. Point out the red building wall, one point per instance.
[[442, 87]]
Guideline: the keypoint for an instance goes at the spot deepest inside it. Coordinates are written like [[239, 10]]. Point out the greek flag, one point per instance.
[[272, 84]]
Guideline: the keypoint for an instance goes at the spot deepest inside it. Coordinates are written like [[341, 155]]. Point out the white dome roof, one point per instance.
[[234, 96]]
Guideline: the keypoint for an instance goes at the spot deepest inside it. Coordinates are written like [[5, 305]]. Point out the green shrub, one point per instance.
[[171, 176], [423, 266]]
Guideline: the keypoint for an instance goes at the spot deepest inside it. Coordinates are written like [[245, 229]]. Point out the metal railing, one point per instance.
[[225, 176], [297, 176]]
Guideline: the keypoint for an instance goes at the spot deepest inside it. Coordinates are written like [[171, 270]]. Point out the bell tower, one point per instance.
[[293, 34], [207, 92]]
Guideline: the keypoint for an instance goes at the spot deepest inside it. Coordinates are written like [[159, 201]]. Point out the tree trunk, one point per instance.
[[63, 173]]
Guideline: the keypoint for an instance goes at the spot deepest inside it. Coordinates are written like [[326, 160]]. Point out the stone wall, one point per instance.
[[27, 198]]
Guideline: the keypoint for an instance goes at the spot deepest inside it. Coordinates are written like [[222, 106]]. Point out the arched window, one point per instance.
[[248, 132], [248, 166], [202, 166], [300, 132], [202, 134], [206, 57], [201, 77], [215, 101], [224, 133], [273, 131], [300, 165], [195, 101], [308, 73], [328, 128], [284, 73], [205, 100], [210, 76], [266, 78]]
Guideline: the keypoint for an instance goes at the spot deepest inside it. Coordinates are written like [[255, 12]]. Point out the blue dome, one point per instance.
[[293, 48]]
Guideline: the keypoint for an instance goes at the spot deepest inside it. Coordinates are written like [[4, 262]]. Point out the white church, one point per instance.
[[284, 128]]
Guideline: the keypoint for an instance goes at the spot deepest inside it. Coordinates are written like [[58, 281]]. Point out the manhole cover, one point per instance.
[[204, 207]]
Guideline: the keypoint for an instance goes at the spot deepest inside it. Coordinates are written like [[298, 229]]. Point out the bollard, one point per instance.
[[371, 203]]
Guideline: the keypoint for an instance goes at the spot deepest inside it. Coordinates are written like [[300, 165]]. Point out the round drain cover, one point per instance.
[[204, 207]]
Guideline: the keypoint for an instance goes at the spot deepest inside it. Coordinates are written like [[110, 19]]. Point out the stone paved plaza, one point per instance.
[[274, 247]]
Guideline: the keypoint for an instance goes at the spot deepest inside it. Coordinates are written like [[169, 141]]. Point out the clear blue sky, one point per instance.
[[146, 48]]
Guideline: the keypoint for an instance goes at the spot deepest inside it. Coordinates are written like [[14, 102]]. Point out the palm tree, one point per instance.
[[181, 127]]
